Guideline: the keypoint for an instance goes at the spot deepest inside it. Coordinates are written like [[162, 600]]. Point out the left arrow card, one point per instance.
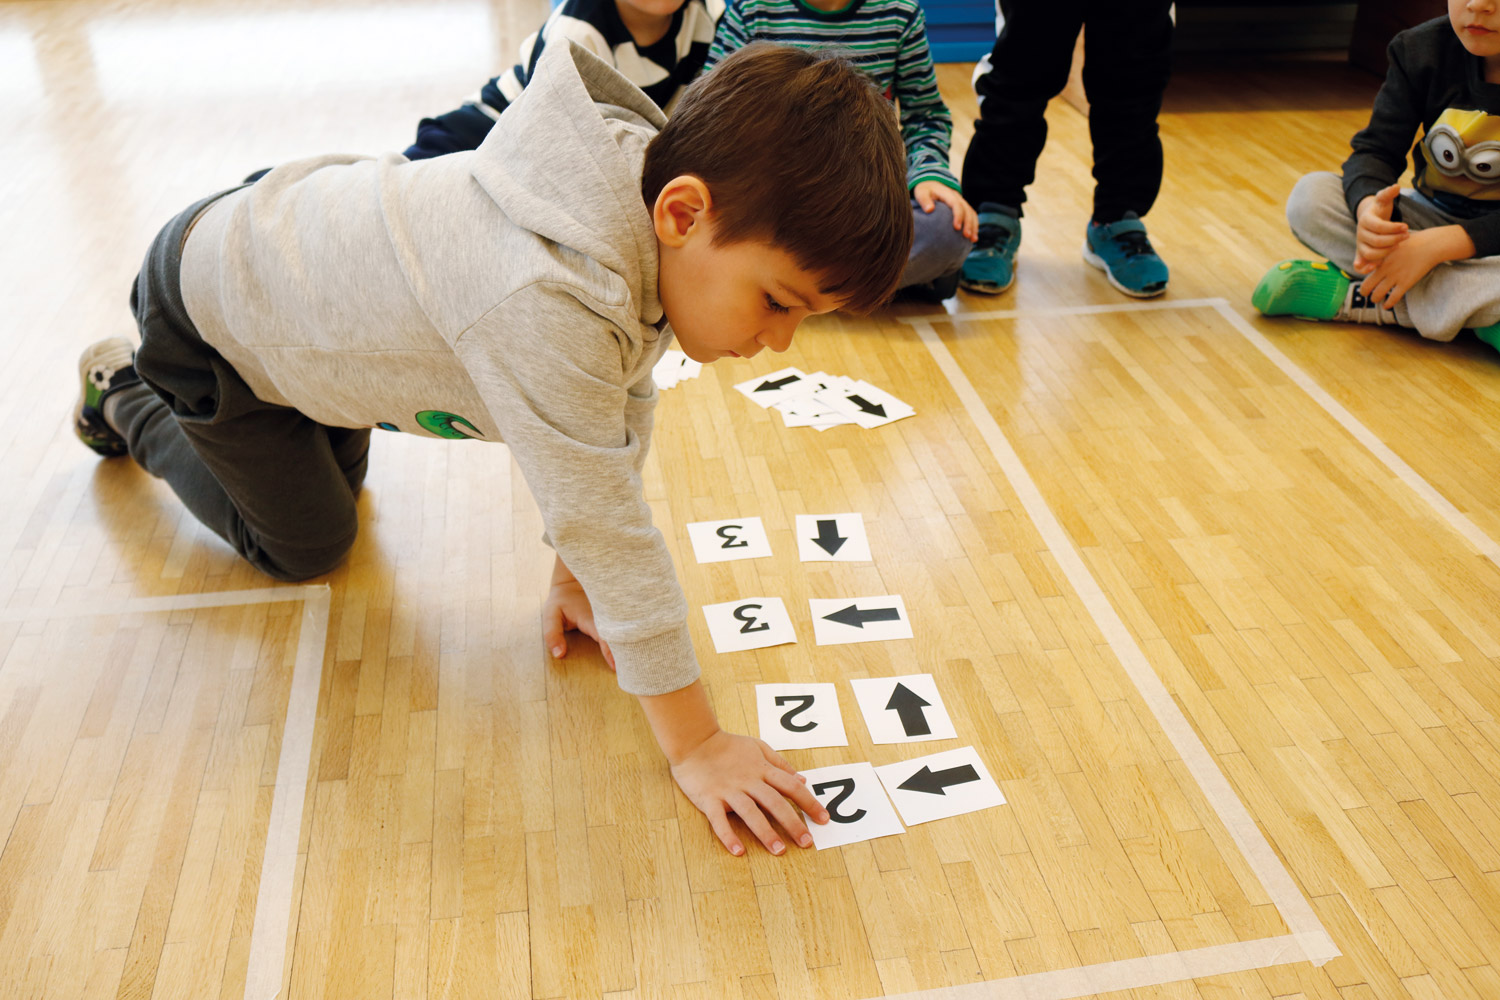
[[857, 808], [721, 541], [940, 785], [763, 390], [859, 619], [799, 716], [749, 623], [903, 709], [836, 537]]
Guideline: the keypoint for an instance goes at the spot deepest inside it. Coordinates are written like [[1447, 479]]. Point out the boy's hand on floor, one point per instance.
[[1376, 234], [929, 193], [567, 606], [739, 774]]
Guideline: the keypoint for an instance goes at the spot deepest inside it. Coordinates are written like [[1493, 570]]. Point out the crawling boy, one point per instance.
[[518, 292]]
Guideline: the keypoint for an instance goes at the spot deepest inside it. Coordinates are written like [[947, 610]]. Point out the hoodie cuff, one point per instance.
[[658, 665]]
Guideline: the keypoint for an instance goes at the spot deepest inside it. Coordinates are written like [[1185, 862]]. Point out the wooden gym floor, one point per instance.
[[1209, 594]]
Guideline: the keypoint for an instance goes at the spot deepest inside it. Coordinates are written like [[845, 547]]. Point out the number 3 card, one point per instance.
[[749, 623], [721, 541], [799, 716]]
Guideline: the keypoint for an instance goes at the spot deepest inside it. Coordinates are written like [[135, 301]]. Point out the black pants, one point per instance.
[[276, 485], [1126, 63]]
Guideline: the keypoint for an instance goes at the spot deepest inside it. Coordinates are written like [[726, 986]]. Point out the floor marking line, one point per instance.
[[1124, 974], [1155, 305], [1307, 930], [169, 602], [1457, 519]]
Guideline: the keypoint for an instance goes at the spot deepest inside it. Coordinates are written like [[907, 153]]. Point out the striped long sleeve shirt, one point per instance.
[[886, 39]]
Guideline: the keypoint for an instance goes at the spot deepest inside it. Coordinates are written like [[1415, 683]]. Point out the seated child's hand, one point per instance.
[[731, 773], [567, 606], [929, 193], [1377, 235]]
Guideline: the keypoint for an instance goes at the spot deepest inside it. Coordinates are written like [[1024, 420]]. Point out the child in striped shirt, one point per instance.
[[887, 40]]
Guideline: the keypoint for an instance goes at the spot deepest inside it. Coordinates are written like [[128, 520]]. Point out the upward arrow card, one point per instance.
[[837, 537], [903, 709], [941, 785], [859, 619]]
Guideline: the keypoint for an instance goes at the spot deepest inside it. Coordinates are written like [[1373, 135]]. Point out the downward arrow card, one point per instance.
[[859, 619], [767, 389], [721, 541], [866, 405], [938, 786], [903, 709], [838, 537], [799, 716], [857, 808], [750, 623]]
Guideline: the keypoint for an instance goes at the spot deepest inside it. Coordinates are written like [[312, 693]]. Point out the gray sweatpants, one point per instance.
[[1462, 293], [937, 249], [276, 485]]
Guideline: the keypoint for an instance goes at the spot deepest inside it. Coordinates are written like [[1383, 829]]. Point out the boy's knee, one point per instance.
[[1314, 195], [295, 563], [939, 247]]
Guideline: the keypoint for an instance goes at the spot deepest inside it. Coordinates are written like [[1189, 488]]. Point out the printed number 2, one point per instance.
[[732, 541], [846, 789], [742, 613], [804, 702]]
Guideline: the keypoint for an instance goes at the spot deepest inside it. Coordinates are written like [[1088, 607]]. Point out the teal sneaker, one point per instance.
[[104, 368], [1122, 251], [991, 266]]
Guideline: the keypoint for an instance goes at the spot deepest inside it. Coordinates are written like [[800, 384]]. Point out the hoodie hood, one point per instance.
[[575, 142]]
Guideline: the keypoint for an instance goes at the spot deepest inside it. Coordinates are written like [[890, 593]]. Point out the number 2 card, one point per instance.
[[800, 716]]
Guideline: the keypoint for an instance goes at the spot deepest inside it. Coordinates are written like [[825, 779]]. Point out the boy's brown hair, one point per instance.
[[799, 150]]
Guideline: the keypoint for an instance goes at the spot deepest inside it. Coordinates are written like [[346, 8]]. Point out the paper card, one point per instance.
[[751, 623], [857, 807], [903, 709], [674, 367], [859, 619], [721, 541], [800, 716], [763, 390], [940, 785], [865, 404], [832, 537]]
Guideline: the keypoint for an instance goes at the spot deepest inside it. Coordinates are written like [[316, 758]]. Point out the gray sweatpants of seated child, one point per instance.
[[276, 485], [937, 249], [1458, 294]]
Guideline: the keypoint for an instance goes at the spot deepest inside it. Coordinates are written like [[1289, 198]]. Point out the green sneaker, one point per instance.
[[103, 368], [1489, 334], [1307, 289]]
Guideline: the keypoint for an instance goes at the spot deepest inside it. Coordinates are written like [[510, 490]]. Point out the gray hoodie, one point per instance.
[[507, 293]]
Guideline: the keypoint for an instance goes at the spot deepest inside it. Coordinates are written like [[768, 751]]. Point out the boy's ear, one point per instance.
[[681, 209]]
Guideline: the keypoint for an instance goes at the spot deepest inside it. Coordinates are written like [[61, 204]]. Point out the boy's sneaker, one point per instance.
[[104, 367], [1489, 334], [1317, 290], [1122, 251], [991, 266]]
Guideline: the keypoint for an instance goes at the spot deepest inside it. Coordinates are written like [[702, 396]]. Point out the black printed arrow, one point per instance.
[[908, 705], [864, 404], [829, 537], [853, 616], [780, 383], [933, 782]]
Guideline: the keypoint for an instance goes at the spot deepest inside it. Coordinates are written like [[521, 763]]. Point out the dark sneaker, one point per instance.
[[1122, 251], [103, 368], [991, 266]]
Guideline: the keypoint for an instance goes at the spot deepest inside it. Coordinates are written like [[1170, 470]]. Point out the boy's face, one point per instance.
[[731, 300], [1477, 24]]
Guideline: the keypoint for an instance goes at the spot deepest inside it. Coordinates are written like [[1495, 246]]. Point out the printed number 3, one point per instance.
[[732, 541], [742, 613]]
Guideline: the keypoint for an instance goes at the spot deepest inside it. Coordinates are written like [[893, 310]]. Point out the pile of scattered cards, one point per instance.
[[674, 367], [822, 401]]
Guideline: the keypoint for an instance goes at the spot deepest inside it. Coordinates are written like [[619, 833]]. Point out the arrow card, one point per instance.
[[938, 786], [838, 537], [903, 709], [857, 808], [865, 404], [763, 390], [799, 716], [859, 619], [749, 623], [721, 541]]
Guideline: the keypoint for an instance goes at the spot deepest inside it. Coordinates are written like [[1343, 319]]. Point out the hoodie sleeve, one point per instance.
[[926, 125], [1380, 148], [579, 434]]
